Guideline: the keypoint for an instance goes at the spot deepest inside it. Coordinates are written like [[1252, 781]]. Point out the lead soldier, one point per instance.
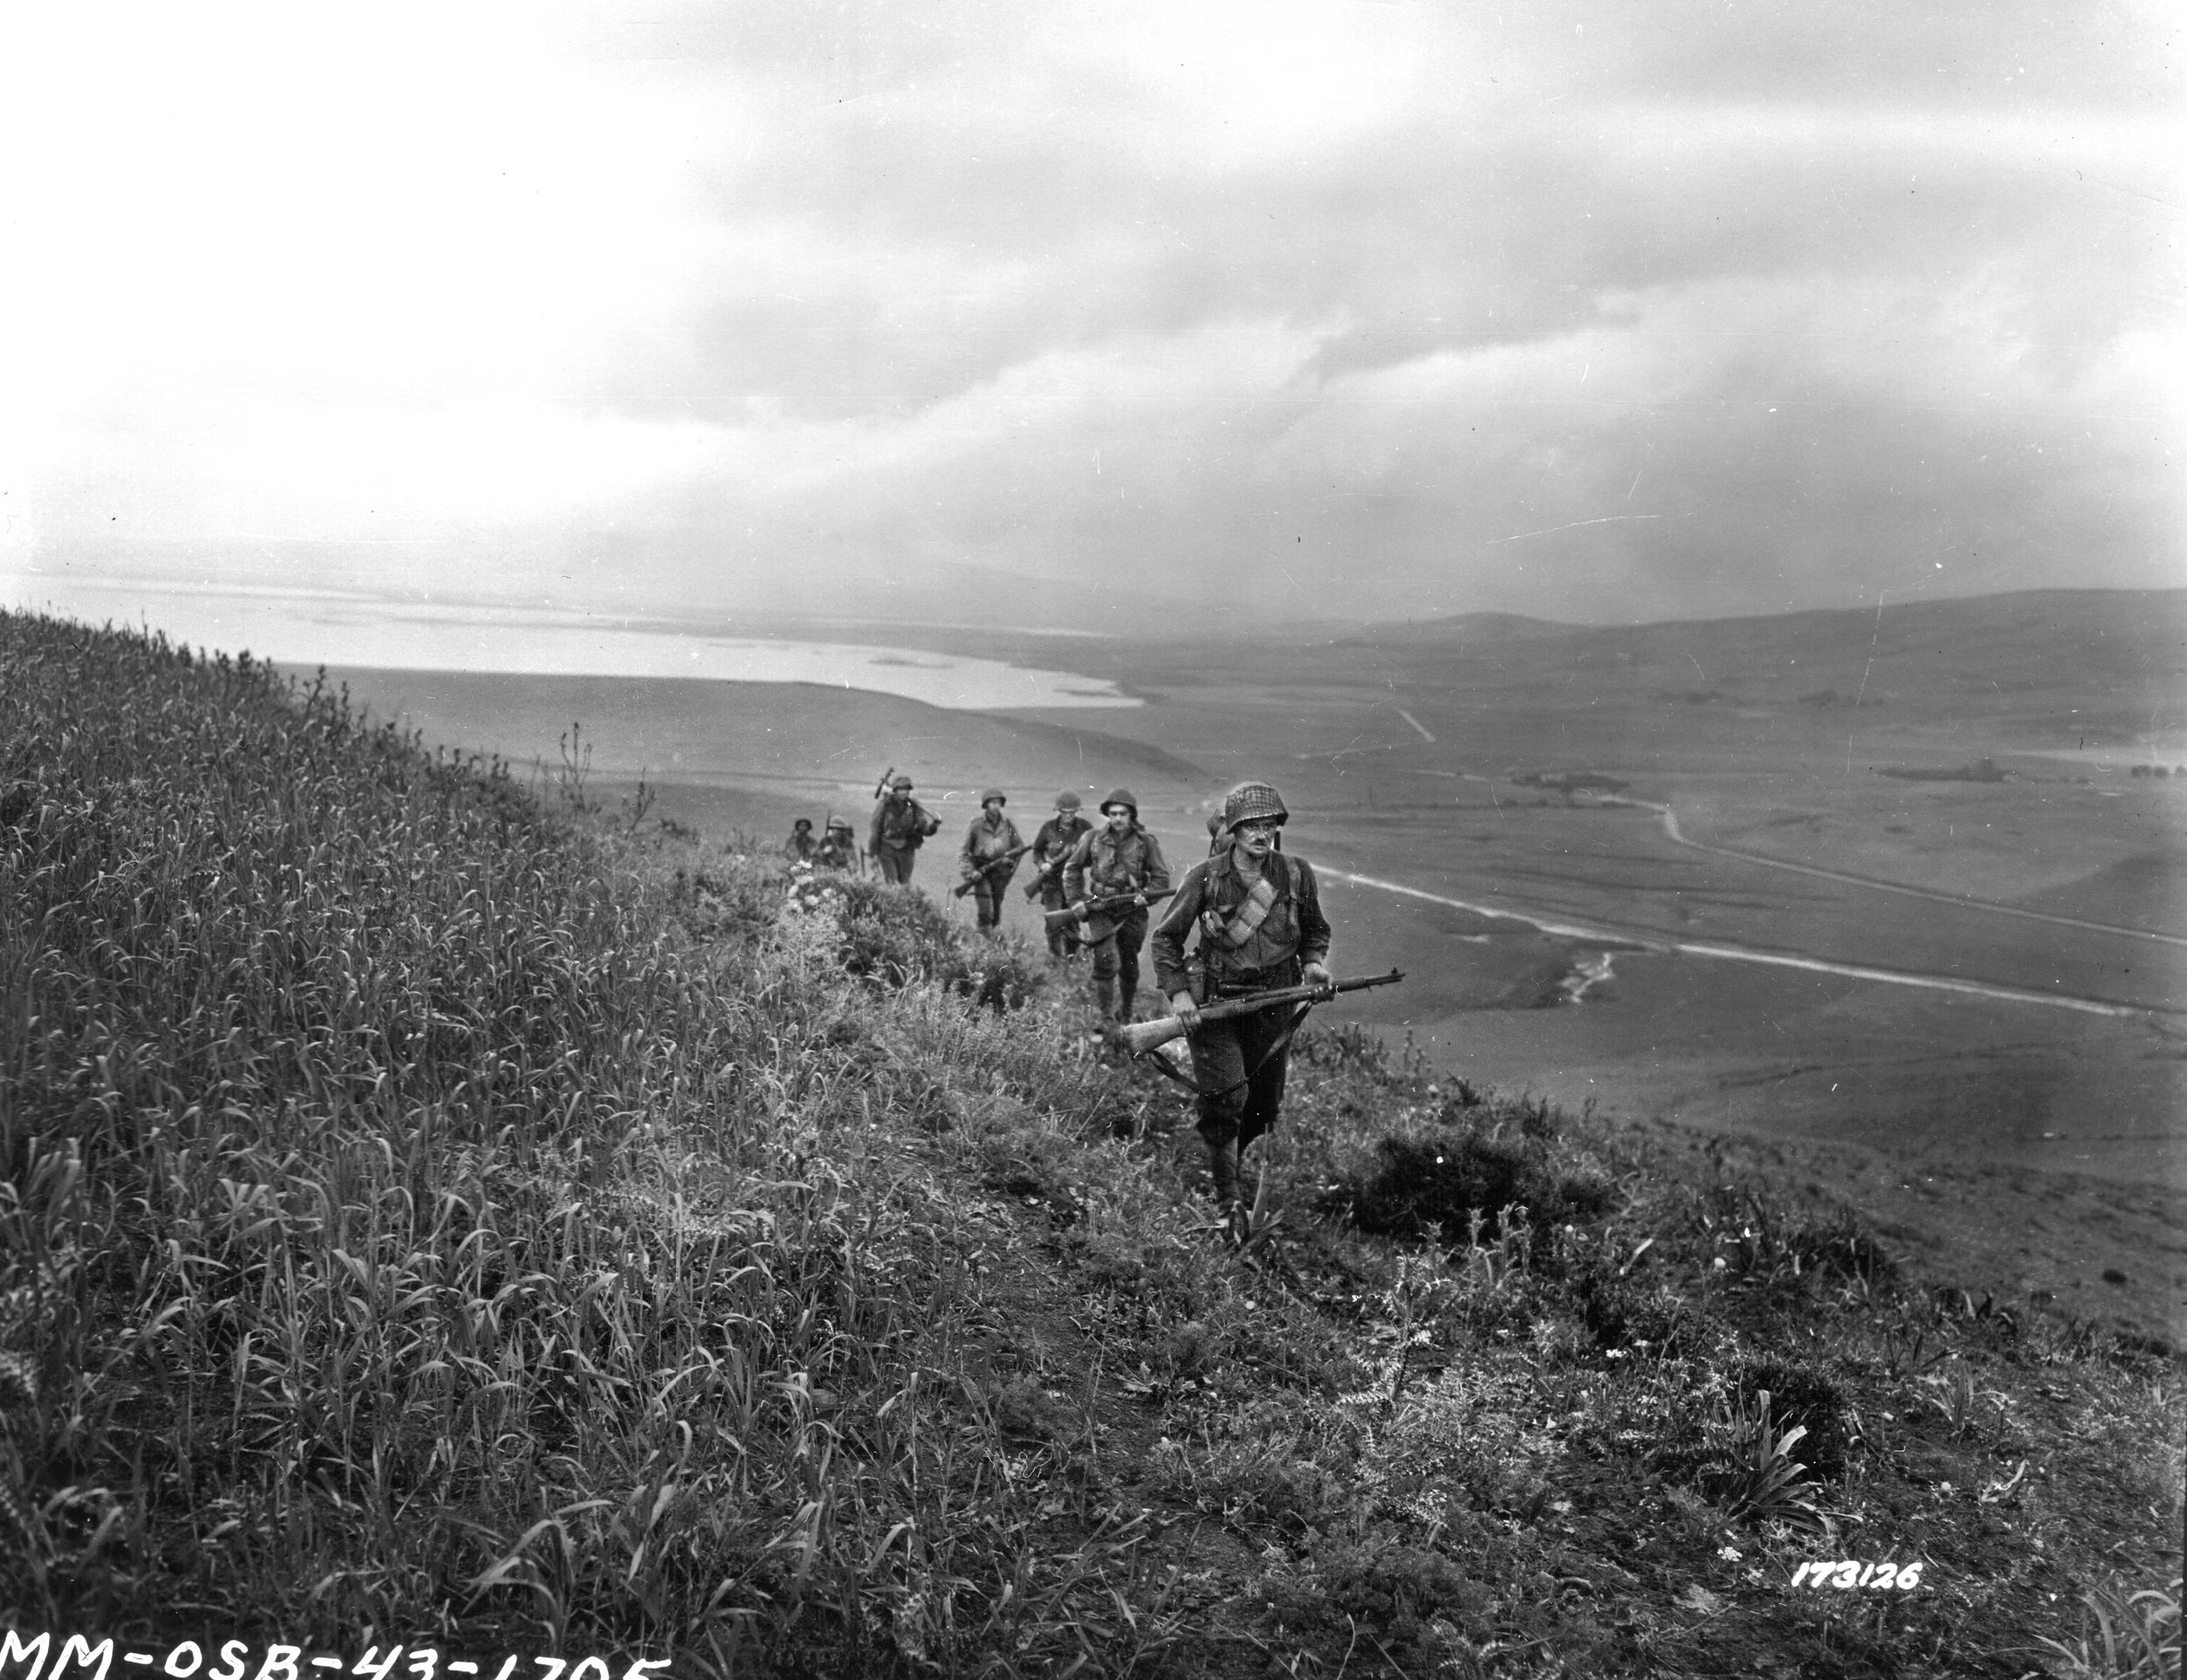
[[1119, 860], [1260, 928]]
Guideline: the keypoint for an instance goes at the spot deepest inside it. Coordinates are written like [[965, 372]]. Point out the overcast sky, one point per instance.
[[1625, 311]]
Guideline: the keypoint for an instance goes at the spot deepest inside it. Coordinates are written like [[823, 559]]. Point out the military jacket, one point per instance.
[[901, 824], [1103, 864], [1057, 838], [985, 841], [1291, 931]]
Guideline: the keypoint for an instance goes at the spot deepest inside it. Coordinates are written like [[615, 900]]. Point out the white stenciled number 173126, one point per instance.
[[1846, 1574]]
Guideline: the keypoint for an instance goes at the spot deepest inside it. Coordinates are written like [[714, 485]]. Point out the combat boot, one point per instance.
[[1222, 1166]]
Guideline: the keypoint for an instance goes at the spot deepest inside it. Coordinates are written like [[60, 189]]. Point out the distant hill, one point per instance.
[[1468, 627], [2114, 656], [2138, 615]]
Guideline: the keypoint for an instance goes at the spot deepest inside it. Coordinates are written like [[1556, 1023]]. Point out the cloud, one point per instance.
[[1580, 309]]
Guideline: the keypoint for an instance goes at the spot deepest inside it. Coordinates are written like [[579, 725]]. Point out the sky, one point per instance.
[[1599, 312]]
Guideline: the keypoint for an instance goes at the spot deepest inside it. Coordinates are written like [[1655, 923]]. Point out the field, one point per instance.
[[1476, 760], [501, 1224]]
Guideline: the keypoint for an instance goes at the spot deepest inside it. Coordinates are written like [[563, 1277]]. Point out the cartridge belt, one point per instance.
[[1244, 983]]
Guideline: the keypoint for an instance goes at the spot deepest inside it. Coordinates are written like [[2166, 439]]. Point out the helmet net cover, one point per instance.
[[1253, 802], [1067, 800]]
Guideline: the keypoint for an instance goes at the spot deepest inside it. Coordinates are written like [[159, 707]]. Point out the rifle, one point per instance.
[[1143, 1036], [991, 865], [1061, 919], [1033, 882], [1041, 876], [882, 786]]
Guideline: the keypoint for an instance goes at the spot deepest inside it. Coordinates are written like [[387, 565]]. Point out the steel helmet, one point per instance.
[[1253, 802], [1122, 795], [901, 780], [1067, 800], [994, 795], [839, 825]]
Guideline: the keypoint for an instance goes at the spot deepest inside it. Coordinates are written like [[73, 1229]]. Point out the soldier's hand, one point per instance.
[[1185, 1009], [1317, 975], [1140, 899]]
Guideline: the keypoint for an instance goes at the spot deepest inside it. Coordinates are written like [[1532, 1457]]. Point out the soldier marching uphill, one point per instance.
[[989, 858], [900, 826], [1053, 846], [1112, 874], [1262, 929]]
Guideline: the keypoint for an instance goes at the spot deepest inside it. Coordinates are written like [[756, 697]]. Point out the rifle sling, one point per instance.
[[1282, 1042]]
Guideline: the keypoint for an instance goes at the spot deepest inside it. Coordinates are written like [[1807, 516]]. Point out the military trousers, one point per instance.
[[1115, 945], [1063, 941], [1238, 1065], [987, 899], [895, 862]]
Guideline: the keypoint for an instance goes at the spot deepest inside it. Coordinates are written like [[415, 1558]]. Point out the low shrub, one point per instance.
[[895, 936], [1462, 1184], [892, 936]]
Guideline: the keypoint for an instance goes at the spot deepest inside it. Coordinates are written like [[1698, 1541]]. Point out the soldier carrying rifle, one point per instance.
[[1109, 878], [1052, 850], [1261, 930], [990, 857]]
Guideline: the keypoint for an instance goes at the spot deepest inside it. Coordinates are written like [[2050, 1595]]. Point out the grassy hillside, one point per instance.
[[438, 1214]]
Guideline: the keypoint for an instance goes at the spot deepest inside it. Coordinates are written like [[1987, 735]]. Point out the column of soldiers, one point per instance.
[[1256, 912]]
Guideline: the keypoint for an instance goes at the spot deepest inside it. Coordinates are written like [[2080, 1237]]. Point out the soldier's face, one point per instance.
[[1255, 839], [993, 807], [1119, 818]]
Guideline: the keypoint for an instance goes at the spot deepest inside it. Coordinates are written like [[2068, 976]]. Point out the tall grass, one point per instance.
[[406, 1231]]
